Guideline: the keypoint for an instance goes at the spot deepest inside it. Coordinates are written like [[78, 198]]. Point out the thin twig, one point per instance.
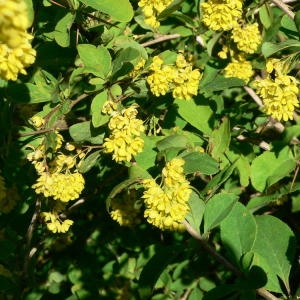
[[284, 8], [42, 131], [30, 252], [253, 95], [221, 259], [161, 38], [262, 292]]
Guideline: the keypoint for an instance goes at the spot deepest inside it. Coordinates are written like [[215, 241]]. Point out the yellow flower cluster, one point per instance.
[[16, 52], [54, 223], [221, 14], [181, 79], [151, 9], [247, 38], [239, 68], [125, 141], [279, 95], [59, 179], [167, 205], [124, 210], [60, 186]]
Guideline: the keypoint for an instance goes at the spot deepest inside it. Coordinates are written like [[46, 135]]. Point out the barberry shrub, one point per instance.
[[149, 149]]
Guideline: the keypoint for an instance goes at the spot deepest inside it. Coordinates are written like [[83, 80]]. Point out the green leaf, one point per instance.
[[197, 113], [175, 5], [120, 10], [275, 244], [244, 170], [195, 215], [172, 141], [219, 179], [265, 15], [220, 139], [98, 118], [212, 42], [269, 167], [297, 20], [125, 61], [288, 23], [83, 131], [137, 172], [146, 159], [97, 60], [154, 268], [200, 162], [30, 11], [221, 83], [89, 161], [62, 30], [241, 239], [217, 209], [269, 49]]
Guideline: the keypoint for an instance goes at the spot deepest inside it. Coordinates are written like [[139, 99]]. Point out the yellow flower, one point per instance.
[[37, 121], [151, 9], [16, 52], [13, 21], [54, 224], [247, 37], [63, 187], [125, 141], [279, 96], [14, 61], [221, 14], [167, 205], [137, 68], [240, 69], [181, 79]]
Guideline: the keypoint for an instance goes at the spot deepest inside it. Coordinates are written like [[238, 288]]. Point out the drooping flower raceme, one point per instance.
[[221, 14], [167, 204], [16, 52], [279, 95], [247, 37], [59, 179], [151, 9], [125, 139], [180, 78]]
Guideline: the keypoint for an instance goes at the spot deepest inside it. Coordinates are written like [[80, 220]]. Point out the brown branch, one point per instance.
[[253, 95], [262, 292], [31, 251], [161, 38], [284, 8]]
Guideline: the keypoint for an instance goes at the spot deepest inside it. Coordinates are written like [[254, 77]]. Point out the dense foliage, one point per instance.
[[149, 149]]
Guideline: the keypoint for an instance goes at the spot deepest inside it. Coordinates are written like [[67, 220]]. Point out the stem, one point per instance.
[[284, 8], [31, 251], [221, 259], [161, 38]]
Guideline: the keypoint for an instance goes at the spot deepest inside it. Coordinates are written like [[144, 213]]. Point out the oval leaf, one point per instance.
[[120, 10]]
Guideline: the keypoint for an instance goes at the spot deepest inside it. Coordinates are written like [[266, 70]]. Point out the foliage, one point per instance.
[[149, 149]]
